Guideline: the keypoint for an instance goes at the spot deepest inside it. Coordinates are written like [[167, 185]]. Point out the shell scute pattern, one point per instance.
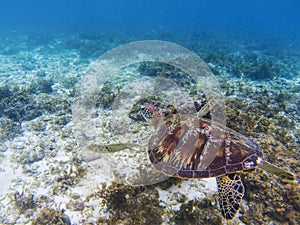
[[197, 149], [187, 146]]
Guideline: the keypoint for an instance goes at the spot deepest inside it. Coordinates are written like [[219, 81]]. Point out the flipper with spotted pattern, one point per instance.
[[231, 191]]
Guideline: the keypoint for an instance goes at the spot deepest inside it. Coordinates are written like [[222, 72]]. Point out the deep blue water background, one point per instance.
[[273, 18]]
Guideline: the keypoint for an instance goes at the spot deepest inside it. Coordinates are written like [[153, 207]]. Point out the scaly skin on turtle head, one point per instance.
[[151, 114], [155, 116]]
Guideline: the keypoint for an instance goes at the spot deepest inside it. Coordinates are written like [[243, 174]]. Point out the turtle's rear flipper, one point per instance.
[[231, 191], [277, 171]]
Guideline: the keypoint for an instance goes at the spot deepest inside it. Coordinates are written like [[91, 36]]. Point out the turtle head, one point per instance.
[[156, 116], [150, 112]]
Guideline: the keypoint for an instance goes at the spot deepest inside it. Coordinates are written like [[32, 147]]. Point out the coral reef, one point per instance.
[[38, 76]]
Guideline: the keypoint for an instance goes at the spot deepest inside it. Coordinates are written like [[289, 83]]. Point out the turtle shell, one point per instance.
[[198, 148]]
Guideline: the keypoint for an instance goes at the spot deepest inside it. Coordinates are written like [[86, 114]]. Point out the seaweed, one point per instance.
[[48, 216], [24, 202], [262, 70], [130, 205], [68, 177], [159, 69], [270, 200], [254, 67], [5, 92], [92, 48], [41, 85], [20, 104], [198, 212], [107, 95], [8, 128], [164, 185]]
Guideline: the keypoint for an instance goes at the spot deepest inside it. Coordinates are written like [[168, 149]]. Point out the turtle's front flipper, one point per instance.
[[277, 171], [231, 191]]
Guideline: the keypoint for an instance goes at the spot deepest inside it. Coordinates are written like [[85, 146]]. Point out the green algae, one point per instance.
[[278, 202], [130, 205], [8, 128], [169, 182], [68, 177], [198, 212], [91, 48], [107, 95], [262, 70], [23, 201], [158, 69], [271, 200], [51, 216], [41, 85], [20, 104], [5, 91]]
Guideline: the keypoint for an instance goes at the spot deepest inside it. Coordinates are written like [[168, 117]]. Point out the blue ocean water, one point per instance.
[[48, 46], [272, 18]]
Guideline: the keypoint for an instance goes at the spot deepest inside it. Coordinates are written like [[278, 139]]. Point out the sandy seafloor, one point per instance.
[[44, 179]]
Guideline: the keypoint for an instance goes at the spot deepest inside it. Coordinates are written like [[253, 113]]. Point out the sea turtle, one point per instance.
[[187, 146]]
